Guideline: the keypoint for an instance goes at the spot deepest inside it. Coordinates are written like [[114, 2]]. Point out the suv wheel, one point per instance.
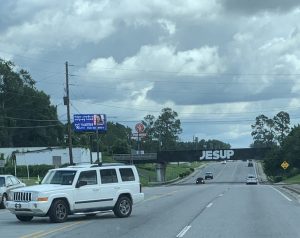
[[4, 199], [58, 212], [123, 207], [24, 218]]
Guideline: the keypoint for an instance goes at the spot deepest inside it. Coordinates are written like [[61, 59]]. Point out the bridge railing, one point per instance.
[[135, 157]]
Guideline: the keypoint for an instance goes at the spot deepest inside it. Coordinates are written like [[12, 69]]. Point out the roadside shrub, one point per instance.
[[192, 169], [34, 170], [277, 179]]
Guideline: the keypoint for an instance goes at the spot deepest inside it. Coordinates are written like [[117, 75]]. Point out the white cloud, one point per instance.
[[140, 72]]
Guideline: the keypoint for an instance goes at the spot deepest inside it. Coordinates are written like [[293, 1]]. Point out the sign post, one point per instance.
[[2, 164], [139, 127]]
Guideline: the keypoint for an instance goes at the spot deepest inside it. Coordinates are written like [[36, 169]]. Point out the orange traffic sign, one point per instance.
[[285, 165]]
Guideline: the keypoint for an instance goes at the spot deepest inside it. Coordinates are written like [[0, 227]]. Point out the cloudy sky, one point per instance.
[[218, 63]]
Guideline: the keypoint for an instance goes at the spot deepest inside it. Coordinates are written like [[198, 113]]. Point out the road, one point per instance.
[[224, 207]]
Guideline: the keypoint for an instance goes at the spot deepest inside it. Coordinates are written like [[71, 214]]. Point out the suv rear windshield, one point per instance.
[[62, 177]]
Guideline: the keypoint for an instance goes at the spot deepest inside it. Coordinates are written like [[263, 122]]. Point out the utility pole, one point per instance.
[[97, 139], [67, 103]]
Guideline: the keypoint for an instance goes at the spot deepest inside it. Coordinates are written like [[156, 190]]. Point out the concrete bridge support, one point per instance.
[[161, 172]]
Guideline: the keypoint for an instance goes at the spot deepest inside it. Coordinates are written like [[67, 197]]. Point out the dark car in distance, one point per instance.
[[209, 175], [200, 180]]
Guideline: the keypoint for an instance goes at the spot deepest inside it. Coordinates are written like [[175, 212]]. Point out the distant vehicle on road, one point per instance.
[[209, 175], [200, 180], [251, 179], [224, 162], [250, 163], [8, 183]]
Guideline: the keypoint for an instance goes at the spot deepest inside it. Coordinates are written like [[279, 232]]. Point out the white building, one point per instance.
[[47, 155]]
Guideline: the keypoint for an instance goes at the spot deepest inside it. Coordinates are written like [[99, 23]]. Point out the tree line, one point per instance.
[[26, 116], [283, 140]]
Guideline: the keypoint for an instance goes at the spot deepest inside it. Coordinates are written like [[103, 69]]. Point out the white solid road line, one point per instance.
[[283, 195], [209, 205], [183, 231]]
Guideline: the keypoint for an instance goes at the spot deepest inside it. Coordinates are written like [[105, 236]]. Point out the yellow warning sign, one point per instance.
[[285, 165]]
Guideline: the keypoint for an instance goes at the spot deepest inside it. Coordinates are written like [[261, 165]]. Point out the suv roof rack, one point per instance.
[[107, 164], [89, 165]]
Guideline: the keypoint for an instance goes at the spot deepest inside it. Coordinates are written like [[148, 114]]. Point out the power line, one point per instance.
[[190, 113], [32, 58], [29, 119], [75, 108], [28, 127], [183, 73], [173, 80]]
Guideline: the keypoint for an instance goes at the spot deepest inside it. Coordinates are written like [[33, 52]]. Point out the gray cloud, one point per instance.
[[256, 6], [208, 57]]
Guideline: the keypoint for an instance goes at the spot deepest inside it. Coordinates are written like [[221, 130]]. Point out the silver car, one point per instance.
[[7, 183], [251, 179]]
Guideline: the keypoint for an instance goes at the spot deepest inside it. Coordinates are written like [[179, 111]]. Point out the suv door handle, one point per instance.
[[117, 187], [95, 189]]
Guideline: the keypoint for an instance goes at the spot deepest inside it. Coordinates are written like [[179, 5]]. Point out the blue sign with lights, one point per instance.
[[90, 122]]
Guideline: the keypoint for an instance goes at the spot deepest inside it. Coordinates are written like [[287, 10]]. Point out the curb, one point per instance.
[[292, 189]]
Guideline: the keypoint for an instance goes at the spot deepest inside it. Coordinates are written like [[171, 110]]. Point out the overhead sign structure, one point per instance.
[[216, 154], [285, 165], [90, 122]]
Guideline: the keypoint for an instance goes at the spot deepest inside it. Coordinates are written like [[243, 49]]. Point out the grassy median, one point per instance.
[[147, 172], [293, 180]]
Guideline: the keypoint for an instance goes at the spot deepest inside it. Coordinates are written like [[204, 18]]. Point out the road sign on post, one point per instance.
[[139, 127], [285, 165]]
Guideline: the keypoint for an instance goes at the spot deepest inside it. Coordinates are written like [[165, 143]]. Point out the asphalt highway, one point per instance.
[[223, 207]]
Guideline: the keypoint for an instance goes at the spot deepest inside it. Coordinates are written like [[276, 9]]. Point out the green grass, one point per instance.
[[108, 159], [147, 172], [293, 180], [30, 181]]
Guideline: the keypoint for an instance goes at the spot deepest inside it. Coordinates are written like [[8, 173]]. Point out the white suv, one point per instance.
[[81, 189]]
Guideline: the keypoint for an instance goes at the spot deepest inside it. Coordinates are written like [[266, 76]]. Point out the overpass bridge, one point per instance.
[[161, 158]]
